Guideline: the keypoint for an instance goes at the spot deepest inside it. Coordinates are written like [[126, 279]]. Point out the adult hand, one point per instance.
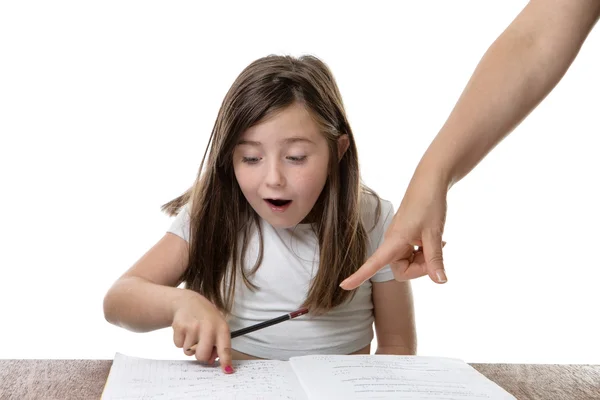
[[419, 222]]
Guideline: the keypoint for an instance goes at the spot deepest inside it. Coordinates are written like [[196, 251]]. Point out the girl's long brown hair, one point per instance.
[[221, 216]]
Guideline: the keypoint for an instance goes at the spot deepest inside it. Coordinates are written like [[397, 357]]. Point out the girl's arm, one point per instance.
[[145, 297], [394, 318]]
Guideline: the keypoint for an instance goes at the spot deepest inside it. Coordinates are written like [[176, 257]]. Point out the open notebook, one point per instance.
[[307, 377]]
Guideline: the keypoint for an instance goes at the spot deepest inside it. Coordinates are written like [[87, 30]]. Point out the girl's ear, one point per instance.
[[343, 143]]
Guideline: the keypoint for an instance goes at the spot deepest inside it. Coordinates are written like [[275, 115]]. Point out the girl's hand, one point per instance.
[[196, 321]]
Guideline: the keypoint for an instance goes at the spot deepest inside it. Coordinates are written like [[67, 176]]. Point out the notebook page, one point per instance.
[[133, 378], [393, 377]]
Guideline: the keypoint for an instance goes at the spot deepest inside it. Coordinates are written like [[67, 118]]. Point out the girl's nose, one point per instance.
[[275, 176]]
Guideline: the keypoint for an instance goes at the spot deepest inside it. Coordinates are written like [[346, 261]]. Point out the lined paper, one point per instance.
[[133, 378], [393, 377]]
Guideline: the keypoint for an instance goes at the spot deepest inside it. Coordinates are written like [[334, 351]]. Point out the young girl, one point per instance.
[[276, 220]]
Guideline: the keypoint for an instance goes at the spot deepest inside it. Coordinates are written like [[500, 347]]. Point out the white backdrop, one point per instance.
[[106, 107]]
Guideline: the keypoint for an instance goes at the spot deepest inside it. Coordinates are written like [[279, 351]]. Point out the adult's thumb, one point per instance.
[[434, 259]]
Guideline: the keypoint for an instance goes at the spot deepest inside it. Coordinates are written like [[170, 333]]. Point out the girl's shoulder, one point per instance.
[[376, 213], [181, 224]]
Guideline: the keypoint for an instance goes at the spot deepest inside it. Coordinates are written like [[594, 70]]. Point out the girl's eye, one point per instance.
[[297, 159], [250, 160]]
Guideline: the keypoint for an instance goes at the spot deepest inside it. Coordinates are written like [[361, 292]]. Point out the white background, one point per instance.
[[106, 107]]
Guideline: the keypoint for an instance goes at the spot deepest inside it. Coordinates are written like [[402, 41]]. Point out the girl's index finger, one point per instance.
[[224, 352]]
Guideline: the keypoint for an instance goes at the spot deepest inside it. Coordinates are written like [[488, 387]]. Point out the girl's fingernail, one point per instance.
[[228, 369]]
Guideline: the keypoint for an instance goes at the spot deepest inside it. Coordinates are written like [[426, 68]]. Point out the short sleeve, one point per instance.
[[181, 224], [385, 219]]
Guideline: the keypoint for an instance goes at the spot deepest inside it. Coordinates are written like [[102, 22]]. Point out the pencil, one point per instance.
[[264, 324]]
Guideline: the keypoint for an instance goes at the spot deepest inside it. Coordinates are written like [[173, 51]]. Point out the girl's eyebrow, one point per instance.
[[290, 140], [296, 139], [248, 142]]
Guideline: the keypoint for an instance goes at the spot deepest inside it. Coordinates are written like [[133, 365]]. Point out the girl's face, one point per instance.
[[281, 166]]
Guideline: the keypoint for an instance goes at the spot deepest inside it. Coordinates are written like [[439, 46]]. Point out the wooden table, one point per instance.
[[84, 379]]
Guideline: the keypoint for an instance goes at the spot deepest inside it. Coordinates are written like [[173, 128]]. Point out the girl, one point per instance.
[[275, 222]]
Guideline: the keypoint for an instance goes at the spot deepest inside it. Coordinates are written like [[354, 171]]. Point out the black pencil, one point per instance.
[[264, 324]]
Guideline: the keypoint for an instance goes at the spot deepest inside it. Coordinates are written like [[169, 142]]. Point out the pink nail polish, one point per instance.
[[228, 369]]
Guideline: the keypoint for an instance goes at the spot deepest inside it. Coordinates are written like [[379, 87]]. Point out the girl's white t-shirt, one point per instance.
[[290, 261]]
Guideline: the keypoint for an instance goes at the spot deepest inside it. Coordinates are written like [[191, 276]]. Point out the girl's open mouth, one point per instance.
[[278, 204]]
